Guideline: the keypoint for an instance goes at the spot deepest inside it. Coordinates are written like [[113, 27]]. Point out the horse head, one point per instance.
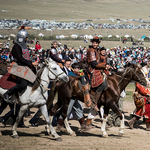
[[55, 72], [137, 74]]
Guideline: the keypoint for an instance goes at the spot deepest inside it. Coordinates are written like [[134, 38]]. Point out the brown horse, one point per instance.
[[116, 84]]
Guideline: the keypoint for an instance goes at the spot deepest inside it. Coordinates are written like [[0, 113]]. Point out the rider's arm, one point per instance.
[[17, 53], [55, 57], [98, 65], [142, 90]]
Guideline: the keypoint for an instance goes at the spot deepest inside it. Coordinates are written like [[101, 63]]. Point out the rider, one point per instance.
[[21, 56], [53, 53], [96, 65]]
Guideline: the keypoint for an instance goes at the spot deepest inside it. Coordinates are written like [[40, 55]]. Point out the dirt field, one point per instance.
[[34, 138]]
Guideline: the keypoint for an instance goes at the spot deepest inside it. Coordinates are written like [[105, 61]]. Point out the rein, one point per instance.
[[39, 80], [127, 71]]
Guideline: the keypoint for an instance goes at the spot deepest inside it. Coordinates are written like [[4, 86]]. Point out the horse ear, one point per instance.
[[46, 62], [139, 65]]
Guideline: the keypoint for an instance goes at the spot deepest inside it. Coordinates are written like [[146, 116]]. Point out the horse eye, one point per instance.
[[54, 68]]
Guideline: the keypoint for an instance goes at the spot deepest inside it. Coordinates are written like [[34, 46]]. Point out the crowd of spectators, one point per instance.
[[117, 56]]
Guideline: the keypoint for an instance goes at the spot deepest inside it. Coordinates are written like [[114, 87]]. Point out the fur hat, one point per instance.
[[95, 39]]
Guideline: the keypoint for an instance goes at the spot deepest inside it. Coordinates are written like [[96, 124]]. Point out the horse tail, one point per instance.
[[51, 95]]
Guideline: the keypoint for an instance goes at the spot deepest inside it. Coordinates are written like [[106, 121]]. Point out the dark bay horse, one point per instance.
[[116, 84]]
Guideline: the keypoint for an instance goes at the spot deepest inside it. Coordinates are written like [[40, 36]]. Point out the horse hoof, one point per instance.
[[58, 139], [105, 136], [15, 136], [73, 134], [120, 134]]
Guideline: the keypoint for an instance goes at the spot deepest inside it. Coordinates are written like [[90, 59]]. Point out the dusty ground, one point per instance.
[[34, 138]]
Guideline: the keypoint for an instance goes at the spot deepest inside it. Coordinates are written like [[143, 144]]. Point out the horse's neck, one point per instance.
[[122, 83], [44, 78]]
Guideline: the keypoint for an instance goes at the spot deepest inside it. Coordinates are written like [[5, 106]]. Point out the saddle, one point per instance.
[[8, 81]]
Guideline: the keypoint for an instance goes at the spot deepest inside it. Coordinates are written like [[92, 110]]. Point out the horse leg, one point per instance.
[[20, 114], [104, 120], [65, 111], [69, 130], [121, 115], [52, 111], [45, 114]]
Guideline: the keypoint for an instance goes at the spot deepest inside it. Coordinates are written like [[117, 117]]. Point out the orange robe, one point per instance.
[[145, 110]]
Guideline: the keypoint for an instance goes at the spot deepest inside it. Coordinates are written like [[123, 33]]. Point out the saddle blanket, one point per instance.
[[97, 79], [22, 71], [7, 81]]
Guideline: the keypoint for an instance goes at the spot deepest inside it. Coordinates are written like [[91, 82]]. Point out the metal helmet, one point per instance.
[[21, 36]]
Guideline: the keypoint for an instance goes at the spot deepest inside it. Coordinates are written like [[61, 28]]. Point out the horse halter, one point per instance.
[[127, 71], [47, 64], [138, 76]]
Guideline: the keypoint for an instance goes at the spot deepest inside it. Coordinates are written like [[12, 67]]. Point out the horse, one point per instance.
[[36, 95], [3, 66], [116, 84]]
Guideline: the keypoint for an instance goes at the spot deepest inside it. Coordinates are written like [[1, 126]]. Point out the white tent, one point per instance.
[[90, 37], [109, 36], [117, 36], [86, 36], [62, 36], [41, 34], [100, 36], [12, 35], [74, 36], [127, 36]]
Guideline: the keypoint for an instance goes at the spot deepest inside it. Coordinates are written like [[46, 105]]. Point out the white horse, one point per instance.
[[37, 97]]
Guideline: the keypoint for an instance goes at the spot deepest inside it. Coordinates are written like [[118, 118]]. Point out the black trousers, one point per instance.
[[21, 85], [3, 106], [11, 112]]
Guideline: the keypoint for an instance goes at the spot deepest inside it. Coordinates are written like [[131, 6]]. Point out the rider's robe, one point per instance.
[[95, 67], [145, 110]]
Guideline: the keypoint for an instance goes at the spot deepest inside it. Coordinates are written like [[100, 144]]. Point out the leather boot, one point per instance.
[[132, 121], [88, 124], [87, 100], [60, 126], [6, 96], [147, 126], [82, 123]]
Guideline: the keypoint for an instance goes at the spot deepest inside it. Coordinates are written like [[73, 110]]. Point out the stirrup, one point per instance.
[[8, 100]]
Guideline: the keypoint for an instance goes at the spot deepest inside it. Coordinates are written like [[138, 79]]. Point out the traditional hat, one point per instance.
[[75, 65], [103, 48], [95, 39]]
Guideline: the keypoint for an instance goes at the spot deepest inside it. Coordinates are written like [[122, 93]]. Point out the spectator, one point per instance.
[[37, 47]]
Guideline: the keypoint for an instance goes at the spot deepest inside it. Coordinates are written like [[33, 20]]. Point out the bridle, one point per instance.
[[56, 75], [56, 79], [126, 72]]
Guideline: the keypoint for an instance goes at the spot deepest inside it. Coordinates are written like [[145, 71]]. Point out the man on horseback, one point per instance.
[[21, 56], [97, 66], [53, 53]]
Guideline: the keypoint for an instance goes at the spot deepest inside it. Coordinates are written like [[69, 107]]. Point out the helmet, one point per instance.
[[21, 36]]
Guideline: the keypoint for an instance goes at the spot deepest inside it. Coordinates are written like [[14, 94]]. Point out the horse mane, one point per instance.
[[38, 79]]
